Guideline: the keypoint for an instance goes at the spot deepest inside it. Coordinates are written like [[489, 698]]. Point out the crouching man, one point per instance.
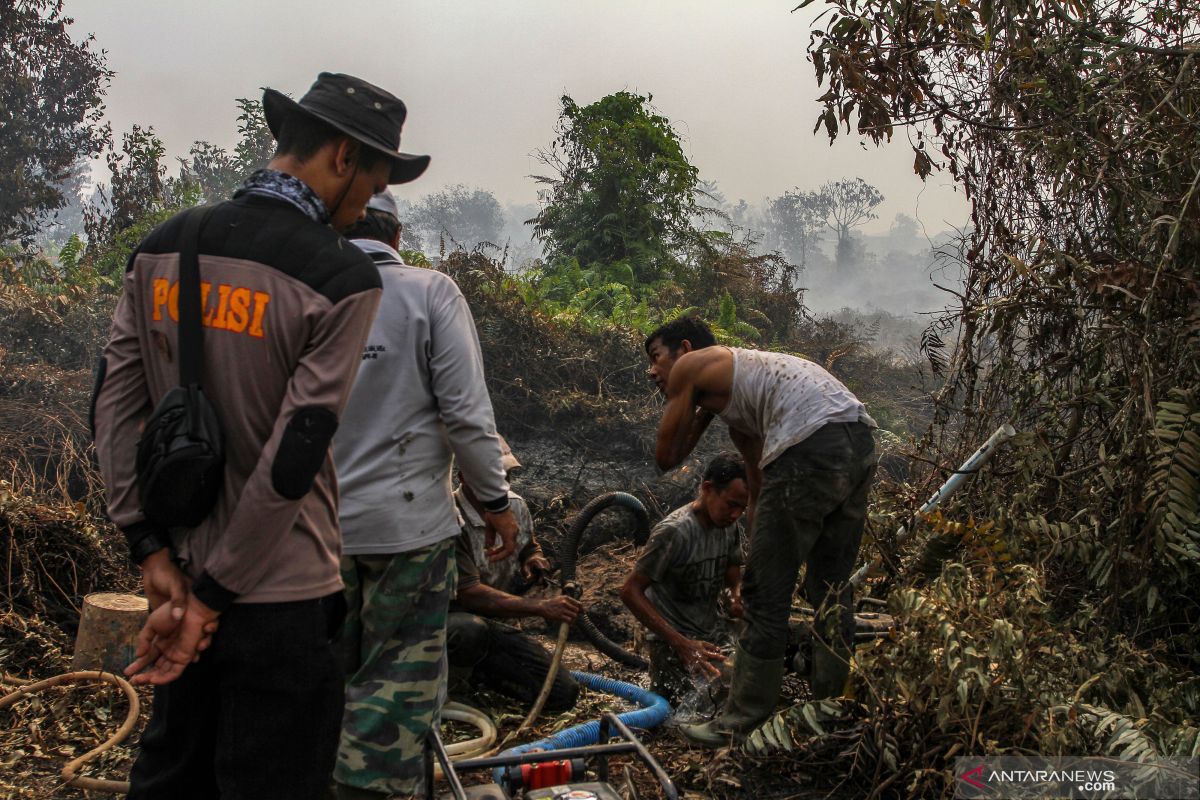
[[692, 555], [481, 649]]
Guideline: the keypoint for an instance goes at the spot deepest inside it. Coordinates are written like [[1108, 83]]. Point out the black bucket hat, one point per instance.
[[358, 109]]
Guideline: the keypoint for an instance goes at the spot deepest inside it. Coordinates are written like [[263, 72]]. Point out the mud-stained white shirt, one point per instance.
[[783, 399]]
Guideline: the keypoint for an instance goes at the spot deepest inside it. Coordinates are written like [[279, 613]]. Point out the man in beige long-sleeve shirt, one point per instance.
[[286, 305]]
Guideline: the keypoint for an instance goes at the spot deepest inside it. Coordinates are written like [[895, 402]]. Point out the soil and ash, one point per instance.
[[575, 405], [54, 554]]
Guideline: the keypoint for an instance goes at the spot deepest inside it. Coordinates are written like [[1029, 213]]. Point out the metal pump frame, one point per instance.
[[601, 752]]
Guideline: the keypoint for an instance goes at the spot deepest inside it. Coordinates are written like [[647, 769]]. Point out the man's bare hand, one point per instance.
[[563, 608], [160, 628], [159, 635], [505, 525], [167, 645], [163, 582], [535, 568], [698, 657]]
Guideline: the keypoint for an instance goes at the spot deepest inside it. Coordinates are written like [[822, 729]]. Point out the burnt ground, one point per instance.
[[55, 548], [40, 734]]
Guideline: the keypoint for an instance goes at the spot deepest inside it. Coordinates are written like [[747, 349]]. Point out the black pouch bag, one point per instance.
[[181, 453]]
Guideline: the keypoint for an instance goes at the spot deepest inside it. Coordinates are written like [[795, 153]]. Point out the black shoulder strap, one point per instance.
[[191, 335]]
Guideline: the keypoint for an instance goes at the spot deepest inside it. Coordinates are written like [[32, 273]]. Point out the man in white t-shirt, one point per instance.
[[810, 458]]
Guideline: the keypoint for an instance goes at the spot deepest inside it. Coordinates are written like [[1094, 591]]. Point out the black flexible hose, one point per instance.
[[570, 556]]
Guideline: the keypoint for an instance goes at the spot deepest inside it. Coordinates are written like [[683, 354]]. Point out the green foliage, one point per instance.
[[256, 144], [1173, 490], [623, 189], [53, 315], [728, 326], [794, 222], [1072, 131], [414, 258], [69, 273], [599, 298], [50, 111], [140, 197], [215, 172], [137, 185]]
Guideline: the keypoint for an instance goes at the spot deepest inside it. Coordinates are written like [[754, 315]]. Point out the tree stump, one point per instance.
[[108, 630]]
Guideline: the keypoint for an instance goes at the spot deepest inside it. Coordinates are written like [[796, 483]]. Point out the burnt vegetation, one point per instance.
[[1050, 607]]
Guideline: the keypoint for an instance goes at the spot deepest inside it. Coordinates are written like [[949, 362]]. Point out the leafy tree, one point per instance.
[[211, 169], [138, 186], [139, 197], [216, 172], [68, 219], [730, 275], [141, 194], [464, 216], [794, 222], [1072, 130], [256, 144], [904, 228], [50, 111], [850, 203], [622, 190], [740, 214]]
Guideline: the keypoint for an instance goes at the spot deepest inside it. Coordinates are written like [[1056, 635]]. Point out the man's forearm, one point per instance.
[[636, 601], [488, 602], [678, 435], [751, 449], [697, 425]]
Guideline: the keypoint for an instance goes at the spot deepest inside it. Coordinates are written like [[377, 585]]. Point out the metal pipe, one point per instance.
[[952, 485]]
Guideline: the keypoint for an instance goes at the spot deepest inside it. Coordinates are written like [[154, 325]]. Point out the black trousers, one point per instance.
[[505, 660], [257, 717]]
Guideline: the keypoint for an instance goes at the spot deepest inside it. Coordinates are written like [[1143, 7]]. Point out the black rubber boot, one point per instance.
[[831, 669]]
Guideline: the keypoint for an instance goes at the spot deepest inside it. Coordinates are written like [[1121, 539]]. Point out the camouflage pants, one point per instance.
[[394, 645]]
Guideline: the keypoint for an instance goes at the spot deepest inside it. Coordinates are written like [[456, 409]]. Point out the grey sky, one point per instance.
[[482, 82]]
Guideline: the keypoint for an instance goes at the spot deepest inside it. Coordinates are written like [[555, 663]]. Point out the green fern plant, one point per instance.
[[1172, 492], [414, 258]]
